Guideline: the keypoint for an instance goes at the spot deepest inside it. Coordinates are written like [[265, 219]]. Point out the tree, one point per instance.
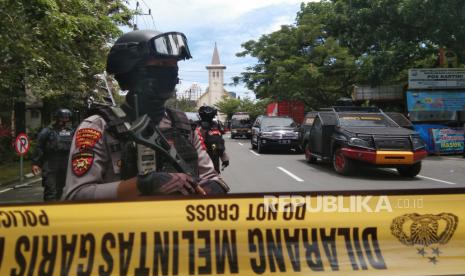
[[335, 44], [254, 108], [55, 47], [182, 104], [300, 63], [228, 106]]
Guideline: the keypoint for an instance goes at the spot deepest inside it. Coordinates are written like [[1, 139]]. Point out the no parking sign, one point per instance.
[[22, 144]]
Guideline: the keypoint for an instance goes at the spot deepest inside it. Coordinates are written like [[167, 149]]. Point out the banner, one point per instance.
[[435, 100], [298, 234], [448, 140], [436, 78]]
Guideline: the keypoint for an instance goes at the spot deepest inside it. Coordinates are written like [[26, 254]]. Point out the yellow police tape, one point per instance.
[[410, 234]]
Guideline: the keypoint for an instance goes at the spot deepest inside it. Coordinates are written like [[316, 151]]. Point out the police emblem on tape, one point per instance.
[[425, 232], [87, 138], [81, 162]]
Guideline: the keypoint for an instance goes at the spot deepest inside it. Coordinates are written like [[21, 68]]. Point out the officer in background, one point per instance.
[[51, 154], [212, 133], [106, 163]]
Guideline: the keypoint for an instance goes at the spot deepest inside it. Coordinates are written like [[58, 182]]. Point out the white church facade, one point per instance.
[[215, 91]]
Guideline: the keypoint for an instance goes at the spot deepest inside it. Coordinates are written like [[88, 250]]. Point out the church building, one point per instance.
[[215, 91]]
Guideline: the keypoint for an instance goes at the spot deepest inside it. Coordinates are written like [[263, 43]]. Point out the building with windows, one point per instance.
[[215, 91]]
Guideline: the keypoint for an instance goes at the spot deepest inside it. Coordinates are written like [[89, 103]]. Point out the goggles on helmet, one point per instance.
[[165, 45], [172, 44]]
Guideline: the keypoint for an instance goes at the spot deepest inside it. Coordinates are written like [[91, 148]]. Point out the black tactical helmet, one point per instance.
[[137, 46], [62, 113], [207, 112]]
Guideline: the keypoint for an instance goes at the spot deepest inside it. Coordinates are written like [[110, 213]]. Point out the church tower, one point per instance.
[[215, 78], [215, 91]]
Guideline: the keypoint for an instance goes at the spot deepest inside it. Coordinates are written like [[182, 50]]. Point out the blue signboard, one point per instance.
[[448, 140], [441, 100]]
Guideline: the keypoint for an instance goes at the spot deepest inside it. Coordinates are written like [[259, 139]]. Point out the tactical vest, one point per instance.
[[213, 139], [59, 140], [178, 136]]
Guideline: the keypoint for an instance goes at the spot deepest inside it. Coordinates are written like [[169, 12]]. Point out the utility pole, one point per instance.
[[135, 28]]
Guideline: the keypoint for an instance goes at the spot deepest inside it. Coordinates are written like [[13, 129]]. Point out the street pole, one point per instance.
[[21, 169]]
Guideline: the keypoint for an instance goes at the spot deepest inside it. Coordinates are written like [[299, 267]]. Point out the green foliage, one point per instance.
[[182, 104], [229, 106], [254, 108], [54, 47], [335, 44]]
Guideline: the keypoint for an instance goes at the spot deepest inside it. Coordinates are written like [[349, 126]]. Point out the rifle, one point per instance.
[[145, 133]]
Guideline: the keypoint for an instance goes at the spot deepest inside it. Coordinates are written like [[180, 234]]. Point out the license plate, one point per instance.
[[284, 141]]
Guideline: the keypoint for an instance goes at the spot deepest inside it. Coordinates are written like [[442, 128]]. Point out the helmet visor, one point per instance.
[[172, 44]]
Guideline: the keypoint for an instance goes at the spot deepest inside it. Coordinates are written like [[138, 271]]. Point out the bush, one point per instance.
[[7, 152]]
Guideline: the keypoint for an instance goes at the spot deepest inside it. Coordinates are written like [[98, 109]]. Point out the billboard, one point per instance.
[[451, 78], [447, 140], [440, 100]]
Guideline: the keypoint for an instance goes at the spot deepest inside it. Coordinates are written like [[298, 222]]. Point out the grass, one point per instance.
[[10, 171]]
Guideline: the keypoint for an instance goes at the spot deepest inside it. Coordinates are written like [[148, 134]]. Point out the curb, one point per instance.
[[15, 180]]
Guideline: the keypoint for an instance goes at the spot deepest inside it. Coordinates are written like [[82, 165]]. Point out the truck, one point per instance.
[[240, 125], [293, 109], [349, 137]]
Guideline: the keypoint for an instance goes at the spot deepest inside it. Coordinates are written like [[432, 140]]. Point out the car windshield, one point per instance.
[[277, 122], [236, 123], [364, 120]]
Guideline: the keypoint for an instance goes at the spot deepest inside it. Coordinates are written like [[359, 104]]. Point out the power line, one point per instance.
[[150, 13], [142, 14]]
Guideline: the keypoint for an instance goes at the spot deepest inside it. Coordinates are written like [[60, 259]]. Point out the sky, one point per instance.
[[226, 22]]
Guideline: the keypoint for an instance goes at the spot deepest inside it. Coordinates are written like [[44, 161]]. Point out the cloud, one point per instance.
[[228, 23]]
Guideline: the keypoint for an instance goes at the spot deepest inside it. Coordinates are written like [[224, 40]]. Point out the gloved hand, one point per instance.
[[224, 164], [161, 183]]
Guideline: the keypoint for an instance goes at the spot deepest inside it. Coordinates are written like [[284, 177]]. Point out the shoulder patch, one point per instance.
[[82, 162], [214, 132], [87, 138]]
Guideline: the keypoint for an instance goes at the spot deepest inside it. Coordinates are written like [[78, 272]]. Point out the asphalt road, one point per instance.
[[281, 171], [278, 171]]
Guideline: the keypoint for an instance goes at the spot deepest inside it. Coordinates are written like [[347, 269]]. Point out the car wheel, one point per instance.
[[233, 136], [342, 165], [410, 171], [308, 154], [260, 148]]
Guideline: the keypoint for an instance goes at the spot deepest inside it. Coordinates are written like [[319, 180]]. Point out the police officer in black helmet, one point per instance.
[[212, 133], [106, 163], [51, 154]]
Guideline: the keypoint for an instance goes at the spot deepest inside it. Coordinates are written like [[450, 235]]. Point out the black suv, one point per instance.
[[347, 135], [274, 132]]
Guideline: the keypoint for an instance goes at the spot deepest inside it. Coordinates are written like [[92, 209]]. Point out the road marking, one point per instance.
[[240, 144], [291, 174], [438, 180], [5, 190], [430, 178], [254, 152], [20, 186]]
